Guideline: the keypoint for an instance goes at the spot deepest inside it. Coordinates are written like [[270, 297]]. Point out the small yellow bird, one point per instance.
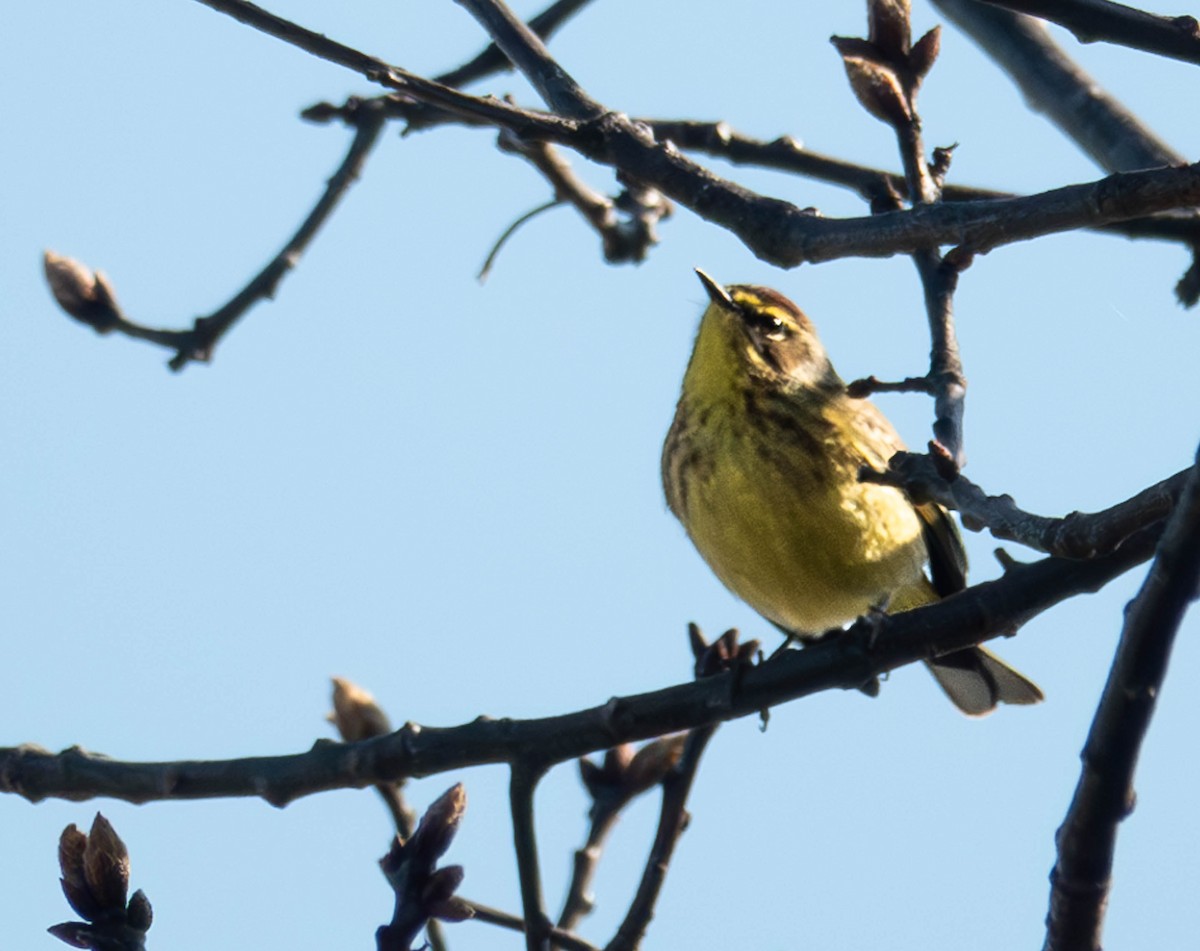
[[761, 467]]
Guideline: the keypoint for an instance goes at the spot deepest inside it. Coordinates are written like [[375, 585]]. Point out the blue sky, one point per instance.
[[449, 492]]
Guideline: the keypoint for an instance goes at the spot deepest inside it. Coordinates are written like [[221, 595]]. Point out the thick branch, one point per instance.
[[786, 154], [1054, 84], [775, 230], [845, 661], [1104, 796]]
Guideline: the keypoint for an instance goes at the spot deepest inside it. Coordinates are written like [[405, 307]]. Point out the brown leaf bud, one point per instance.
[[653, 761], [442, 884], [925, 53], [106, 865], [71, 846], [452, 909], [888, 26], [438, 826], [139, 915], [83, 294], [878, 89], [355, 713], [74, 933]]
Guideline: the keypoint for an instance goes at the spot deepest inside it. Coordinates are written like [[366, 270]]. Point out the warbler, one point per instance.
[[761, 466]]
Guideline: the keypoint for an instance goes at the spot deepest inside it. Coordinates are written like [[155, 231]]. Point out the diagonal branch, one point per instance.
[[1104, 797], [528, 54], [199, 343], [1054, 84], [1077, 535], [1090, 20], [671, 823], [847, 661]]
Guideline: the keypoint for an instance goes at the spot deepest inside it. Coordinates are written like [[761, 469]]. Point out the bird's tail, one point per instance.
[[976, 680]]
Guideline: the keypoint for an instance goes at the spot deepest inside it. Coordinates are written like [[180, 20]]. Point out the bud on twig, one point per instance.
[[355, 713], [95, 880], [84, 294]]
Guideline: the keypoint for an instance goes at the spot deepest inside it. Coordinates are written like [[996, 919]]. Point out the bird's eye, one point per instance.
[[770, 326]]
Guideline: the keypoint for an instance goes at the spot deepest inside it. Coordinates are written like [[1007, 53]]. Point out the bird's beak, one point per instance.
[[717, 294]]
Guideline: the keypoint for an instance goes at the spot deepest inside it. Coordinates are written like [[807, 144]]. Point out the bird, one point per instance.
[[761, 466]]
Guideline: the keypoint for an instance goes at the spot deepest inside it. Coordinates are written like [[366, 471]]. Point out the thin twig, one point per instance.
[[846, 662], [199, 343], [492, 60], [671, 823], [523, 782], [867, 386], [1104, 797], [528, 53], [622, 776], [886, 70], [578, 901], [509, 232], [1091, 20], [627, 226], [559, 937]]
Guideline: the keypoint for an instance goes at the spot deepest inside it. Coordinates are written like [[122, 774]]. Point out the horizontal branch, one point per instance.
[[869, 648]]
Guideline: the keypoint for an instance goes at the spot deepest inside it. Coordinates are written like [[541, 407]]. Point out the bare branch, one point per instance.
[[1054, 84], [557, 936], [1078, 535], [529, 54], [1104, 796], [627, 226], [672, 821], [1098, 20], [623, 775], [492, 60], [522, 785], [200, 342], [775, 230], [846, 661], [884, 67]]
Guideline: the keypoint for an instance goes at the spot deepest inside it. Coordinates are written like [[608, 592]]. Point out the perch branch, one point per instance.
[[846, 661]]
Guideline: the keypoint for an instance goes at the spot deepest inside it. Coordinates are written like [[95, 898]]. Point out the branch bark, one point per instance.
[[1104, 797], [866, 650]]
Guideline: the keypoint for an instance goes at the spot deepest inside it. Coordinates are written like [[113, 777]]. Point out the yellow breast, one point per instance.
[[798, 537]]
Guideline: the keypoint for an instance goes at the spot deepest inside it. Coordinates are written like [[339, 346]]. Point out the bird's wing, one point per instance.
[[947, 557]]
